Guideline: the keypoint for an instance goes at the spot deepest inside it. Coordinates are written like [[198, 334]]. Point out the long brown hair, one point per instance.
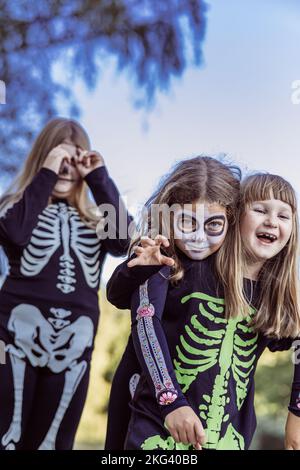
[[200, 178], [278, 313], [54, 133]]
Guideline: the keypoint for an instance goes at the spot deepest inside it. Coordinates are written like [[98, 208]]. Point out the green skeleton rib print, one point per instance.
[[229, 344]]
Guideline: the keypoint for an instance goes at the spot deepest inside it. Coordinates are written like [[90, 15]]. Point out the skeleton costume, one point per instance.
[[49, 311], [191, 355]]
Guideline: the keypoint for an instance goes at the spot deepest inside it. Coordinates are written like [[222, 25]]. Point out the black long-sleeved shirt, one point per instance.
[[190, 354], [55, 259]]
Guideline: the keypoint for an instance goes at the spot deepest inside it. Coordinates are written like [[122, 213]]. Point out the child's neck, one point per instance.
[[252, 270]]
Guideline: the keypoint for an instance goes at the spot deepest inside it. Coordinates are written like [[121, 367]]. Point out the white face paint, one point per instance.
[[200, 229]]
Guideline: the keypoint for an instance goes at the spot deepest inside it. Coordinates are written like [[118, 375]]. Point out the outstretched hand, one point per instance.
[[149, 252]]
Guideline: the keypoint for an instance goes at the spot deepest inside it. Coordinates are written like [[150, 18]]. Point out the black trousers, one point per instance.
[[40, 408]]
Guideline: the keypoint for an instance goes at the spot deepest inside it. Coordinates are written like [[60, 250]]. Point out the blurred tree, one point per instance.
[[151, 39]]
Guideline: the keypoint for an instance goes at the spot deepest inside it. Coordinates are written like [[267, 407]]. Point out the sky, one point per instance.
[[239, 102]]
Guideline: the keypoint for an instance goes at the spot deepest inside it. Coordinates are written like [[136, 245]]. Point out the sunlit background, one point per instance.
[[238, 103]]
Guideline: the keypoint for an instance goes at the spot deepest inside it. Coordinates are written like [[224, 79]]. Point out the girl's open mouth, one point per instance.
[[266, 237]]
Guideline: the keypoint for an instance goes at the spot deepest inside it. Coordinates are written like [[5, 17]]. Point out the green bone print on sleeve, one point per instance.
[[235, 357]]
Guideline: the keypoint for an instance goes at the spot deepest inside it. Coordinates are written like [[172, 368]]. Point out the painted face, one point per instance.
[[68, 176], [200, 229], [266, 227]]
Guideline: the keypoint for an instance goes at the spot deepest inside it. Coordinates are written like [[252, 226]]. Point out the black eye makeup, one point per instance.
[[213, 226], [187, 223]]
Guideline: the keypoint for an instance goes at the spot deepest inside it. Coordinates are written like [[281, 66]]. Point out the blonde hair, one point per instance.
[[200, 178], [54, 133], [278, 311]]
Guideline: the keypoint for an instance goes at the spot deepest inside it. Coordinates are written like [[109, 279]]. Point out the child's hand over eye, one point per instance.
[[87, 161], [56, 157], [149, 253]]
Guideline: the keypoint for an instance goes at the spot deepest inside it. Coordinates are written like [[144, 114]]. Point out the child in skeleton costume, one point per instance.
[[195, 354], [201, 175], [49, 301]]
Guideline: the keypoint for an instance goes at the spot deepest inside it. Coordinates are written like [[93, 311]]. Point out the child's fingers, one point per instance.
[[167, 260], [146, 241], [63, 154], [191, 437], [86, 161], [197, 446], [183, 436], [66, 159], [199, 433], [175, 436], [138, 250], [161, 240], [81, 156], [133, 262]]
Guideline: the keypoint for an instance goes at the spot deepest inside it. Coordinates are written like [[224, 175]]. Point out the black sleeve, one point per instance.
[[17, 224], [294, 406], [124, 281], [151, 345], [105, 192], [282, 344]]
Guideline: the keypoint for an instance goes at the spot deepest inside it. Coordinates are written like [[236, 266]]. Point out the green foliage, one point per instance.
[[273, 380]]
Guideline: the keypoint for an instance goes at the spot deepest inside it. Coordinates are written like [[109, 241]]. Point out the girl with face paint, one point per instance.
[[49, 308], [210, 352], [200, 196]]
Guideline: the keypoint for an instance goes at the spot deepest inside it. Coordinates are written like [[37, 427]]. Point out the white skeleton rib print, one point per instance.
[[60, 224], [56, 343]]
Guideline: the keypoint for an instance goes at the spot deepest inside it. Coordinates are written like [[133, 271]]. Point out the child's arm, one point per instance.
[[106, 193], [292, 428], [124, 281], [18, 222], [292, 432], [153, 353], [127, 277]]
